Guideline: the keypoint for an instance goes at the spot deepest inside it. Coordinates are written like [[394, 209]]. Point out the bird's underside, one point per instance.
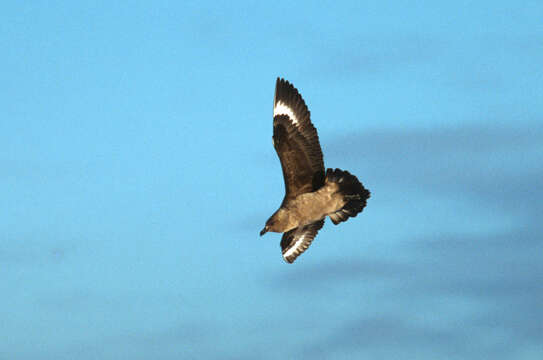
[[310, 193]]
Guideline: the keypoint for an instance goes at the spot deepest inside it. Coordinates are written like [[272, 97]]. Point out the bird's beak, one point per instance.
[[265, 230]]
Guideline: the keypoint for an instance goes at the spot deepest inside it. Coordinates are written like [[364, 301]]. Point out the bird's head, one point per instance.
[[269, 226], [265, 230], [276, 223]]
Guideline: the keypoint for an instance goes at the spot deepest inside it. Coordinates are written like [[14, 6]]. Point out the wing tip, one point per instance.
[[292, 247], [287, 100], [289, 259], [285, 91]]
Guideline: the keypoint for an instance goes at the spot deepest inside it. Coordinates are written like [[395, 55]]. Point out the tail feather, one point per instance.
[[353, 191]]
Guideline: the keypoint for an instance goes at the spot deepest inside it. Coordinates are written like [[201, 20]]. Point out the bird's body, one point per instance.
[[309, 207], [311, 194]]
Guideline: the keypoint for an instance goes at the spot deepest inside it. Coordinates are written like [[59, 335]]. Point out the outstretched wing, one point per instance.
[[296, 141], [296, 241]]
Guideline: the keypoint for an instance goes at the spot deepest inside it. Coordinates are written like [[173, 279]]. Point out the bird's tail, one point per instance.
[[353, 191]]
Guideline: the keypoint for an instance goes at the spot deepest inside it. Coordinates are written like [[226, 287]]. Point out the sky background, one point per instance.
[[137, 169]]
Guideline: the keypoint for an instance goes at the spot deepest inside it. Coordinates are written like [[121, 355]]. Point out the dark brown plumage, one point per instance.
[[296, 143], [310, 193]]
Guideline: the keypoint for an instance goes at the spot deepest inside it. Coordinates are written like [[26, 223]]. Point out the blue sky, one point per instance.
[[137, 169]]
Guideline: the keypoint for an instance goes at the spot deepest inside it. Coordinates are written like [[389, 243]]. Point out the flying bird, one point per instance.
[[311, 194]]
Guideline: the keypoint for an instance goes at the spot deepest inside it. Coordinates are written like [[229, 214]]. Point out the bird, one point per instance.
[[311, 193]]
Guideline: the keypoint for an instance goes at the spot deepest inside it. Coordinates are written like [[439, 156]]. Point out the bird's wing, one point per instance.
[[296, 241], [296, 141]]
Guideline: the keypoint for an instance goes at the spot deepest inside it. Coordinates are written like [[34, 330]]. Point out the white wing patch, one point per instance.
[[282, 109], [294, 247]]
